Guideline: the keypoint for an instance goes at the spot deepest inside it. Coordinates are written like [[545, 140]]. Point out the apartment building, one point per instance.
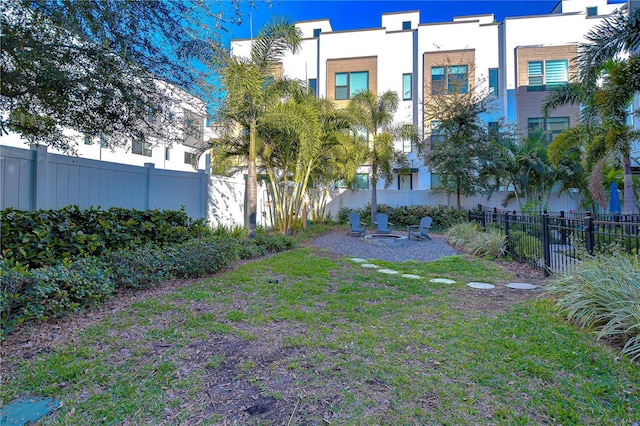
[[516, 61], [177, 152]]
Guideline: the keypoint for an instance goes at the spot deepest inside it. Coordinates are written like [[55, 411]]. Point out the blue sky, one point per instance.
[[356, 14]]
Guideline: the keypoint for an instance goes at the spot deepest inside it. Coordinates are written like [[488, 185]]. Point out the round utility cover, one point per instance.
[[481, 286], [442, 281]]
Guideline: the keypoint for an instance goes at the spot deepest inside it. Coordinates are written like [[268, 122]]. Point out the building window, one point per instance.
[[405, 181], [87, 140], [549, 128], [362, 181], [313, 86], [104, 141], [316, 32], [406, 25], [141, 148], [167, 154], [494, 89], [190, 158], [350, 83], [547, 75], [592, 11], [437, 135], [406, 87], [447, 80]]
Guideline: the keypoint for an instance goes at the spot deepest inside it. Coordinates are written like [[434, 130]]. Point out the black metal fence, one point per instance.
[[554, 242]]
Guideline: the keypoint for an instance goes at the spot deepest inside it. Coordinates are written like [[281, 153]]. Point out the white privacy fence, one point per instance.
[[33, 179]]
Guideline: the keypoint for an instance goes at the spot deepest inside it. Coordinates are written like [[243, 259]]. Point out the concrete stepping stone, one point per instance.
[[481, 286], [521, 286], [369, 265], [411, 276], [388, 271], [442, 281], [357, 260]]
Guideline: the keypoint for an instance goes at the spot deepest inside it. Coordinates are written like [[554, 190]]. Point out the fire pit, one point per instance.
[[386, 239]]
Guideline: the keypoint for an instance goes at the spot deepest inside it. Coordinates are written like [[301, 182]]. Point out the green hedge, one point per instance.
[[443, 216], [43, 237], [74, 285]]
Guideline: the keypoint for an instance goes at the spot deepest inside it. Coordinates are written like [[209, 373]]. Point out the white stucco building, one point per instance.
[[188, 131], [516, 61]]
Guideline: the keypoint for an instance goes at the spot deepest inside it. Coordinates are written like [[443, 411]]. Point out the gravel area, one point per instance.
[[425, 250]]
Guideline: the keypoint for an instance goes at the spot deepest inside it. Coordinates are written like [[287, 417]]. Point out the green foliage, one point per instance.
[[603, 293], [52, 291], [137, 268], [524, 246], [129, 47], [490, 243], [72, 285], [443, 216], [42, 237], [201, 257], [273, 243], [461, 234]]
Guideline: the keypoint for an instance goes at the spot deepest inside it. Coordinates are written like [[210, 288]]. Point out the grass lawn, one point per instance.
[[310, 337]]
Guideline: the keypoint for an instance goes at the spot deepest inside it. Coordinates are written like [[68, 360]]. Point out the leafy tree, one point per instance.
[[459, 140], [246, 82], [103, 67], [373, 116]]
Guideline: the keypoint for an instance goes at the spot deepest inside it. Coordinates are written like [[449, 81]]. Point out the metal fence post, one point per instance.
[[588, 233], [546, 243], [506, 232]]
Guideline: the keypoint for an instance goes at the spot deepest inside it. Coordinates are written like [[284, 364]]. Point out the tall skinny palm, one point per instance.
[[245, 81], [374, 114]]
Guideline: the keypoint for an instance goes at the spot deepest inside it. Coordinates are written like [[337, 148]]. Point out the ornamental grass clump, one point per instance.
[[491, 243], [461, 234], [603, 294]]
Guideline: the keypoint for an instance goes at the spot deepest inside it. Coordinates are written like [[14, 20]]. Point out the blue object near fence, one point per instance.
[[614, 199]]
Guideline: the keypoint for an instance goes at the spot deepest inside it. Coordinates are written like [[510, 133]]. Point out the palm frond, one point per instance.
[[620, 33]]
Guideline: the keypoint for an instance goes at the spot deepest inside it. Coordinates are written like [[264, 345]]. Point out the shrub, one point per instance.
[[137, 268], [53, 291], [461, 234], [201, 257], [603, 292], [524, 246], [41, 238], [443, 216], [274, 243], [491, 242]]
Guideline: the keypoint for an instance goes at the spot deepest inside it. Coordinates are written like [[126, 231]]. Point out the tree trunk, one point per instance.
[[374, 197], [629, 198], [251, 210]]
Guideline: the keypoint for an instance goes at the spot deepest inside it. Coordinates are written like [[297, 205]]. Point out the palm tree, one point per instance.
[[300, 134], [245, 81], [607, 40], [606, 88], [603, 132], [374, 115]]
